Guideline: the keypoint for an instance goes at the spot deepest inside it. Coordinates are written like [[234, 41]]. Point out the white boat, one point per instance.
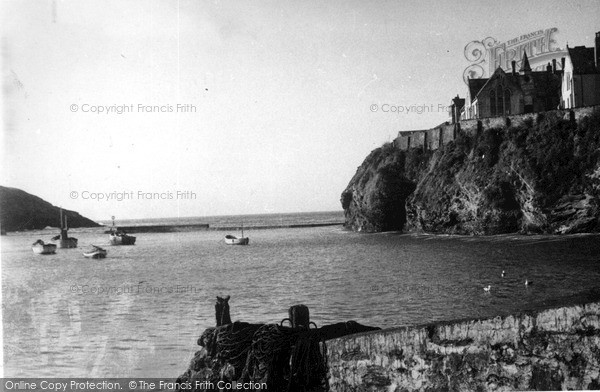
[[41, 248], [95, 253], [233, 240], [119, 237]]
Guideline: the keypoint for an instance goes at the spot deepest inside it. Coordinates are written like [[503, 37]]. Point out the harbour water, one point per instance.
[[139, 312]]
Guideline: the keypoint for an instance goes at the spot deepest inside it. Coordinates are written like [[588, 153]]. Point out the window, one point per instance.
[[499, 103], [507, 101]]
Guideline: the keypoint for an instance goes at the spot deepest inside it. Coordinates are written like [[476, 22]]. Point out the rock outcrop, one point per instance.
[[542, 176], [374, 199], [20, 210]]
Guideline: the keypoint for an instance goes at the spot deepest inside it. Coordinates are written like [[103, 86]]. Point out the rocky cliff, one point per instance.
[[541, 176], [20, 210]]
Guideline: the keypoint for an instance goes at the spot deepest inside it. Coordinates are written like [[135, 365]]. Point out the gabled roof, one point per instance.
[[499, 72], [582, 59], [475, 86], [542, 77], [543, 81]]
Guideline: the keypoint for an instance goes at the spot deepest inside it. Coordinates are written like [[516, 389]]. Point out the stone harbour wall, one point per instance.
[[432, 139], [551, 349]]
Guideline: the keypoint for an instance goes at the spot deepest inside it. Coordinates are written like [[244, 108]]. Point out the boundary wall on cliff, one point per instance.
[[552, 349], [432, 139]]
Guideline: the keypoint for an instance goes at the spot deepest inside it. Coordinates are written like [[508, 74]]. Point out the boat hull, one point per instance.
[[96, 254], [121, 239], [233, 240], [43, 249], [68, 243]]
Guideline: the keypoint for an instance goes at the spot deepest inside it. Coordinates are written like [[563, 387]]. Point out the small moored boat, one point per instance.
[[119, 237], [64, 240], [41, 248], [95, 253], [233, 240]]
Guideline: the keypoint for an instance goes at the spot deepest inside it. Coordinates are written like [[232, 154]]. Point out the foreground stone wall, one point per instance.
[[545, 350]]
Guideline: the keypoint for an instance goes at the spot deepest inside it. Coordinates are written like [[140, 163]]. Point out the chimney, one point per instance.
[[549, 68], [562, 63], [553, 66], [597, 50], [514, 67], [455, 109]]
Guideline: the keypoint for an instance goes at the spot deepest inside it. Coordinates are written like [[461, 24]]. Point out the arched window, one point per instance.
[[499, 102], [492, 102], [507, 101]]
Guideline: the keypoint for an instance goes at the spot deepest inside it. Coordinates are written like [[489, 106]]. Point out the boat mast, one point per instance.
[[63, 226]]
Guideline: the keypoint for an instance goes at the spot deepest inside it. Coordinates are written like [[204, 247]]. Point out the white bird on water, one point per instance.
[[503, 273], [487, 289], [527, 283]]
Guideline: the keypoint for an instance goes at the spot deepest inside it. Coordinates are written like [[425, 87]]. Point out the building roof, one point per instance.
[[475, 86], [545, 82], [499, 72], [582, 59]]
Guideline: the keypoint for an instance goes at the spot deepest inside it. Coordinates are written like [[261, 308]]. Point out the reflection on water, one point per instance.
[[139, 311]]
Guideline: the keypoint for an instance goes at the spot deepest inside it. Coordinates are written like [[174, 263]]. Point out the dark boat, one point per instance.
[[64, 240]]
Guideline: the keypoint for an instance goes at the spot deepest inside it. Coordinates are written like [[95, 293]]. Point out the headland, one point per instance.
[[528, 173]]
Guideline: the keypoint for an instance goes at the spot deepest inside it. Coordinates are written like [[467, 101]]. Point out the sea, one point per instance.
[[140, 311]]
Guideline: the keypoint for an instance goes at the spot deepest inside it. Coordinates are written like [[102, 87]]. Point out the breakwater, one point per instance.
[[551, 349], [163, 228], [206, 226], [283, 226]]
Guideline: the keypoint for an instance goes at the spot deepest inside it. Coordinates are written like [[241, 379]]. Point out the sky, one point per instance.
[[275, 97]]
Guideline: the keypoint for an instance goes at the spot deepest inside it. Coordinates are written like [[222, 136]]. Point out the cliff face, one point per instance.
[[374, 199], [540, 176], [20, 210]]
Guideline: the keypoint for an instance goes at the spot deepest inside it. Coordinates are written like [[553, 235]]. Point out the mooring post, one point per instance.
[[222, 311], [299, 316]]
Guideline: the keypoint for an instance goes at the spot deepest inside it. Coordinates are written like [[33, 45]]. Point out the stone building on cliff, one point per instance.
[[525, 91], [581, 78], [575, 84]]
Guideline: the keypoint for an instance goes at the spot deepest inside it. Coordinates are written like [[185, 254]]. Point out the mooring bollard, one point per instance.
[[222, 311], [299, 316]]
